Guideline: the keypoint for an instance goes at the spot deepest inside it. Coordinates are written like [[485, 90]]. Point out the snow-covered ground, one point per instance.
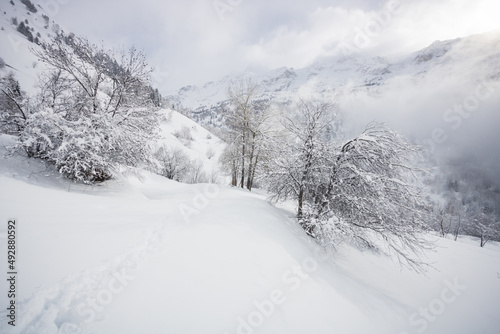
[[149, 255]]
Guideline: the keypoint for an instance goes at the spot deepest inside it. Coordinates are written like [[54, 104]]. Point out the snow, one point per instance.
[[143, 254], [202, 140], [16, 48], [146, 254]]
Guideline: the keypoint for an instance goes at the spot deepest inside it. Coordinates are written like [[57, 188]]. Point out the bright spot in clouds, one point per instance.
[[189, 40]]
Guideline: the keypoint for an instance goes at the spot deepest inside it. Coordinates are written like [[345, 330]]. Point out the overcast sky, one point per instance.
[[194, 41]]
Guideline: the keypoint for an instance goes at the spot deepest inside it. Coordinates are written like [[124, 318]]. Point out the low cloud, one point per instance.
[[191, 42]]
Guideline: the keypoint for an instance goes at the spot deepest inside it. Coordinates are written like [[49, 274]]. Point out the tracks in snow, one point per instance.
[[69, 306]]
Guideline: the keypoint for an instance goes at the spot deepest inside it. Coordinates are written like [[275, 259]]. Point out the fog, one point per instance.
[[455, 114]]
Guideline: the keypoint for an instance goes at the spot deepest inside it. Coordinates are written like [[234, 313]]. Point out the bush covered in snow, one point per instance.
[[184, 135], [176, 165]]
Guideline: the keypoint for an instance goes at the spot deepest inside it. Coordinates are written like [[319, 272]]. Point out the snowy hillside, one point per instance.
[[155, 256], [177, 132], [16, 45]]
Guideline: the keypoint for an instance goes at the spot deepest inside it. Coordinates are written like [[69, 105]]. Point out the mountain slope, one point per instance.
[[177, 132], [16, 42]]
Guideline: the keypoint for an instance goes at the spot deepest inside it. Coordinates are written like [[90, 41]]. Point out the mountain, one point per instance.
[[342, 79]]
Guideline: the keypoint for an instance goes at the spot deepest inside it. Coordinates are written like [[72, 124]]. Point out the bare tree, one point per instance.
[[483, 225], [196, 173], [247, 129], [174, 163], [260, 132], [301, 152], [230, 157], [241, 94], [54, 87]]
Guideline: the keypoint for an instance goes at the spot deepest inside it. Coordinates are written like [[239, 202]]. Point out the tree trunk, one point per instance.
[[242, 181], [234, 172], [253, 171], [250, 163], [441, 225], [300, 198], [458, 228]]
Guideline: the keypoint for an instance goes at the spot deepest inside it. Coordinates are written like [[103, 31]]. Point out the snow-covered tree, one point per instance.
[[469, 200], [94, 110], [247, 131], [174, 164], [196, 172], [373, 197], [482, 223], [363, 191], [302, 153], [230, 158]]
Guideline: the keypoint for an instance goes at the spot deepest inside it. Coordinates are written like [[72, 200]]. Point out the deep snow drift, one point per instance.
[[145, 254]]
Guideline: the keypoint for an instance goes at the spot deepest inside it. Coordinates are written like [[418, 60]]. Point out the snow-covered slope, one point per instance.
[[16, 47], [146, 254], [200, 145]]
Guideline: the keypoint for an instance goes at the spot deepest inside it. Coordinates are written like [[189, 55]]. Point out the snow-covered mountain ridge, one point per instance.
[[342, 79]]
